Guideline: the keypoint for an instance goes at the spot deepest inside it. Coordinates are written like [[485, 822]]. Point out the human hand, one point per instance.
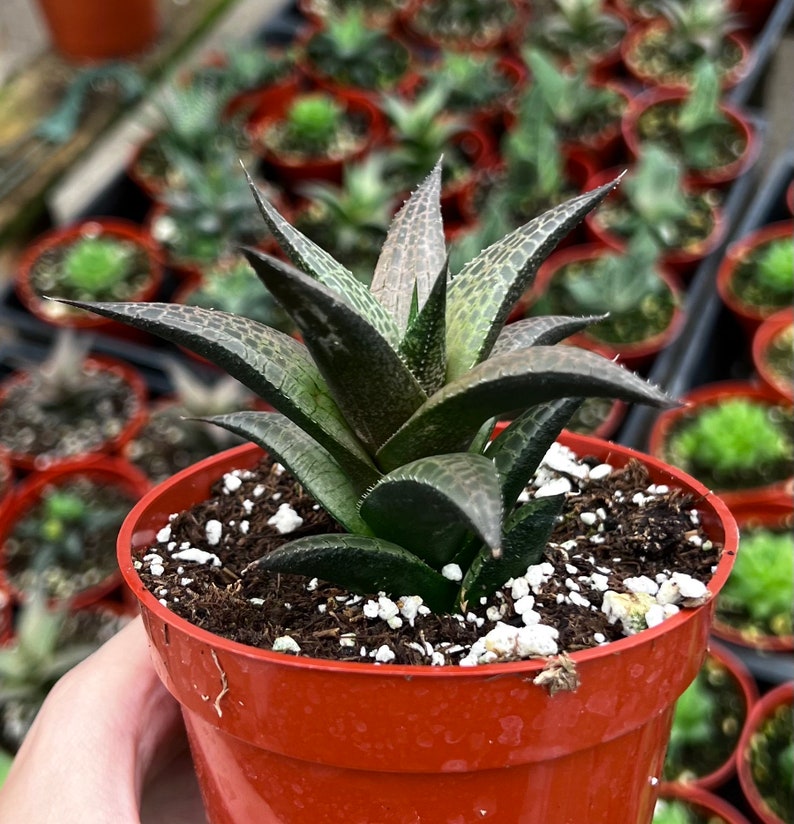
[[108, 745]]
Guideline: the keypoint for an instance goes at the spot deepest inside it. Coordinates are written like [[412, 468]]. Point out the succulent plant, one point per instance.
[[310, 126], [384, 411], [697, 29], [94, 263], [776, 270]]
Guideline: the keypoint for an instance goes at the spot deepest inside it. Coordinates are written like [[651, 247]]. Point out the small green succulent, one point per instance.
[[732, 441], [776, 268], [97, 264], [757, 597], [772, 758], [672, 811], [311, 124], [385, 409], [351, 53], [696, 30]]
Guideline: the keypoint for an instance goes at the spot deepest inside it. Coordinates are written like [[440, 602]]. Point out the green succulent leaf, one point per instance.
[[273, 365], [336, 489], [517, 451], [318, 264], [483, 292], [428, 506], [348, 351], [424, 346], [517, 380], [541, 331], [364, 565], [523, 545], [413, 253]]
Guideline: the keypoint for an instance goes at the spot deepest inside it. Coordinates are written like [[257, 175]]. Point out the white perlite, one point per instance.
[[285, 520], [452, 572], [286, 643], [197, 556], [214, 531]]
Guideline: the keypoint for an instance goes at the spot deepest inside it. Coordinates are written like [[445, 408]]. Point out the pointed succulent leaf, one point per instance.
[[364, 565], [428, 506], [336, 489], [413, 253], [517, 451], [424, 346], [369, 381], [522, 546], [483, 292], [449, 419], [541, 331], [273, 365], [318, 264]]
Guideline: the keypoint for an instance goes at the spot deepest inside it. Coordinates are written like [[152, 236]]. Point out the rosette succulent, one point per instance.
[[385, 409]]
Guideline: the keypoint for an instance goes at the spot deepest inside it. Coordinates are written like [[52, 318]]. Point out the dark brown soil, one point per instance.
[[238, 601]]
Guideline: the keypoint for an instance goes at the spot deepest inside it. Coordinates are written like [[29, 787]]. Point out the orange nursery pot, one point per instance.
[[780, 696], [749, 316], [771, 330], [710, 395], [89, 30], [776, 515], [285, 740]]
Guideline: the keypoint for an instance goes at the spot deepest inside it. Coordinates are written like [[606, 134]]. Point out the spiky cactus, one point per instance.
[[385, 410]]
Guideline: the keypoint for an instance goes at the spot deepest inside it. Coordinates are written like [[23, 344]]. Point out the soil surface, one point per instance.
[[613, 528]]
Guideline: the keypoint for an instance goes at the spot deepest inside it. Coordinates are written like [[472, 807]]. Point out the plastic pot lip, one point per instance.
[[117, 228], [769, 329], [134, 381], [701, 797], [781, 694], [244, 455], [736, 252], [636, 34]]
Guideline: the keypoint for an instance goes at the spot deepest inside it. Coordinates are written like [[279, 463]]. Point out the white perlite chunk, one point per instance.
[[231, 482], [452, 572], [557, 486], [164, 535], [213, 530], [628, 609], [505, 642], [197, 556], [641, 584], [285, 520], [286, 643], [598, 473], [384, 654]]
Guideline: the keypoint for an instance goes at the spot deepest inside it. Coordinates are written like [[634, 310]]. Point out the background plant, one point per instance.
[[392, 437], [766, 277]]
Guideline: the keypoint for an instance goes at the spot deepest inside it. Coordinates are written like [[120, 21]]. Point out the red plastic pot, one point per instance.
[[110, 472], [776, 514], [642, 74], [291, 171], [711, 395], [782, 694], [763, 338], [28, 462], [110, 228], [682, 260], [703, 802], [636, 355], [285, 740], [89, 30], [719, 176], [750, 317]]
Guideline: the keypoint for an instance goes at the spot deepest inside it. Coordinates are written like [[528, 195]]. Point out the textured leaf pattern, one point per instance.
[[413, 253], [483, 292], [424, 345], [517, 451], [517, 380], [369, 381], [273, 365], [336, 490], [317, 263], [540, 331], [364, 565], [523, 545], [428, 505]]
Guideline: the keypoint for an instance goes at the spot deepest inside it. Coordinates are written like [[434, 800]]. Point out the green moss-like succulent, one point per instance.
[[385, 408], [97, 264]]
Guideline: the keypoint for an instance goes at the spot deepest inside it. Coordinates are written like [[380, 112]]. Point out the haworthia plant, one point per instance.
[[385, 408]]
